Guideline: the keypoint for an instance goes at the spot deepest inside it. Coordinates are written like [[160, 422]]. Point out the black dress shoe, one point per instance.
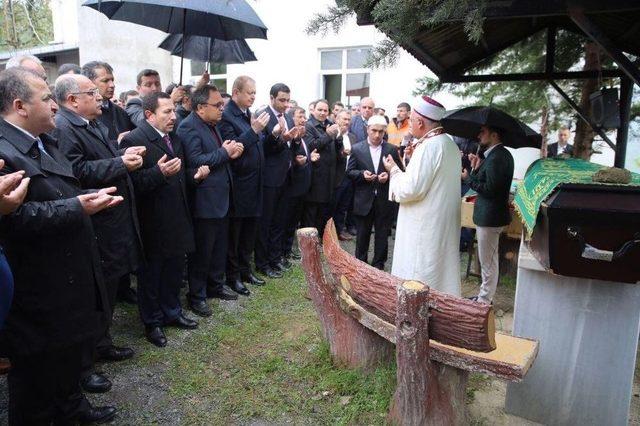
[[183, 323], [200, 308], [156, 336], [285, 262], [128, 295], [95, 383], [252, 279], [353, 231], [295, 255], [280, 267], [223, 292], [271, 273], [239, 287], [96, 415], [114, 353]]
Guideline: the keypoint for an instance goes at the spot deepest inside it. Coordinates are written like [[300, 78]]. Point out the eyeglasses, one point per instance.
[[219, 105], [92, 92]]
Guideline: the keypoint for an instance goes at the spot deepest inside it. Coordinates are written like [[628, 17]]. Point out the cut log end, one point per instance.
[[414, 285]]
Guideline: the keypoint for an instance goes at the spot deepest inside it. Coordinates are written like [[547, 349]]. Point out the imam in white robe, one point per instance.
[[428, 229]]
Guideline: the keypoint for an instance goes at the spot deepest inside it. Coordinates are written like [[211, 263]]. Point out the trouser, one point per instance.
[[207, 263], [103, 339], [44, 388], [342, 203], [242, 241], [294, 217], [124, 284], [380, 217], [159, 283], [489, 256], [268, 249], [315, 216]]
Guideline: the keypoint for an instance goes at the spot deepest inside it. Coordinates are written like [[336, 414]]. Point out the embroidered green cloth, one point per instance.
[[542, 178]]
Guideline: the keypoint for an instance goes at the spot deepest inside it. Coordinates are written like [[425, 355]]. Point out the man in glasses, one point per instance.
[[85, 142], [212, 201]]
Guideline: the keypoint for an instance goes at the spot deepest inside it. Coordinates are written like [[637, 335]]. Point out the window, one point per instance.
[[218, 73], [344, 77]]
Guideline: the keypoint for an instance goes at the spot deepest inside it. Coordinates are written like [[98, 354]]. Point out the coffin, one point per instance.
[[590, 231]]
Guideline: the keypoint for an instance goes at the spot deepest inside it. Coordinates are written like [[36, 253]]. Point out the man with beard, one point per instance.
[[238, 124]]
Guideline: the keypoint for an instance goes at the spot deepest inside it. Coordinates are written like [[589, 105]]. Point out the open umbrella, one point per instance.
[[222, 20], [206, 49], [466, 122]]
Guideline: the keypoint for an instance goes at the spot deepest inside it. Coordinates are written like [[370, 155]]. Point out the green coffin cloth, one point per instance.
[[542, 178]]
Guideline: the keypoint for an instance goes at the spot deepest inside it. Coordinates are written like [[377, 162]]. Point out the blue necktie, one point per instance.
[[41, 148]]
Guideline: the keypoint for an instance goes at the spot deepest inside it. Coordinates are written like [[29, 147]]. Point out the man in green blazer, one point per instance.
[[491, 179]]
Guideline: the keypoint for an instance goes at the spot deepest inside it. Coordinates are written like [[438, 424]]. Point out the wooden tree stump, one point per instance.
[[351, 344], [427, 393]]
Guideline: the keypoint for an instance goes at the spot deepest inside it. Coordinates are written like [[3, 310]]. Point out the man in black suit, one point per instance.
[[371, 206], [165, 220], [49, 241], [212, 201], [276, 139], [118, 123], [342, 200], [148, 81], [562, 146], [95, 161], [491, 179], [237, 124], [322, 135], [184, 106]]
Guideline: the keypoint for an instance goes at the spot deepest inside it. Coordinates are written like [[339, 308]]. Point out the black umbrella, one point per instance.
[[206, 49], [219, 19], [466, 122]]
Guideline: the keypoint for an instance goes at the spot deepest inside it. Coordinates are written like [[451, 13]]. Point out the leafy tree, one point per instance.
[[25, 23]]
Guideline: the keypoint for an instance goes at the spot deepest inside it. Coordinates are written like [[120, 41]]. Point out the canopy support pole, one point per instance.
[[626, 93]]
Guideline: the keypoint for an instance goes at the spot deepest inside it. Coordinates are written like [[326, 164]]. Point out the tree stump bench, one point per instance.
[[438, 338]]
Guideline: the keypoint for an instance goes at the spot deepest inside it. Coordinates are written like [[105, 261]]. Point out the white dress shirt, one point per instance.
[[376, 153]]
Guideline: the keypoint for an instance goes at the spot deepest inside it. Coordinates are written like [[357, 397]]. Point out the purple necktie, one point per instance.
[[167, 141]]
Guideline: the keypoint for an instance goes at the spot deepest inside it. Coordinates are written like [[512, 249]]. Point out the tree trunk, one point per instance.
[[428, 393], [584, 133], [544, 131], [351, 344]]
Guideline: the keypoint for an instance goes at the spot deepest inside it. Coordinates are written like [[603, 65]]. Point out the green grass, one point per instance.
[[267, 361]]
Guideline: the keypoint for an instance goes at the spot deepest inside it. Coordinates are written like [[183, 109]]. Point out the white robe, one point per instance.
[[428, 229]]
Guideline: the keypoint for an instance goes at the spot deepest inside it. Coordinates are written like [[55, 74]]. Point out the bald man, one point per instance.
[[96, 163]]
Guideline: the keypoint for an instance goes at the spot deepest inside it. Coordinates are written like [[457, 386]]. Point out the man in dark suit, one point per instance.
[[118, 123], [342, 200], [84, 141], [371, 206], [562, 146], [491, 179], [359, 122], [184, 106], [212, 201], [165, 220], [321, 135], [49, 241], [237, 124], [276, 138], [148, 81]]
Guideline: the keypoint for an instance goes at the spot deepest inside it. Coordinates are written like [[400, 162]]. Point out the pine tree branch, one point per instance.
[[33, 28]]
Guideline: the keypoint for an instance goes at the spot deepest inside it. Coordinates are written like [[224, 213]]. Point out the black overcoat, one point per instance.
[[323, 171]]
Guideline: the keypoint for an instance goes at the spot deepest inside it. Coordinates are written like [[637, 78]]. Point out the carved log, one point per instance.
[[454, 321], [428, 393], [351, 344]]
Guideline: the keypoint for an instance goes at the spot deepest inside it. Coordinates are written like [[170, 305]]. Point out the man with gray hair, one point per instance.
[[50, 244], [28, 62], [95, 162]]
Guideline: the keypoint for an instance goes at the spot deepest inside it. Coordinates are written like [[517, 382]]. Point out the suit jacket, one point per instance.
[[212, 198], [359, 128], [59, 294], [135, 112], [97, 164], [163, 205], [552, 150], [277, 153], [181, 114], [323, 171], [341, 159], [492, 182], [300, 181], [248, 168], [366, 192], [115, 119]]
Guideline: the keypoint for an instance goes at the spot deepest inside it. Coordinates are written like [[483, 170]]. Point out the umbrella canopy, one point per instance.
[[466, 122], [206, 49], [223, 20]]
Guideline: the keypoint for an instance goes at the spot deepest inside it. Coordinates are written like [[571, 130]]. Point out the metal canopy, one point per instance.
[[614, 25]]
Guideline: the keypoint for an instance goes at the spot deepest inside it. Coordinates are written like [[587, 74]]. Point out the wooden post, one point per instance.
[[428, 393], [351, 344]]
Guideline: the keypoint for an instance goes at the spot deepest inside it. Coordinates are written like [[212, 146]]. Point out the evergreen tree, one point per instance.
[[25, 23]]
